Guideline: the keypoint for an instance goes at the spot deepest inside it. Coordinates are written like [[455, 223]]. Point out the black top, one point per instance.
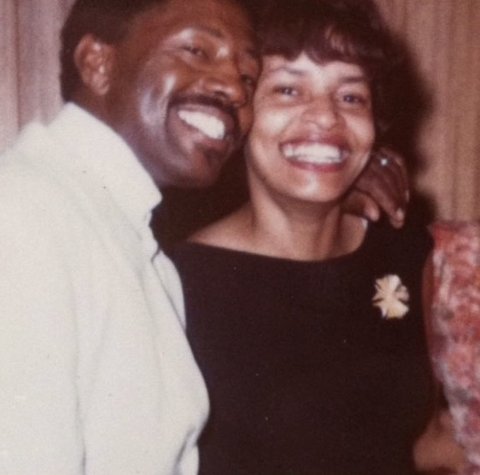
[[304, 374]]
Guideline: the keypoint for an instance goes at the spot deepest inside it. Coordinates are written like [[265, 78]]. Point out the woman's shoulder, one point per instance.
[[456, 256], [451, 236], [456, 325], [227, 232], [456, 260]]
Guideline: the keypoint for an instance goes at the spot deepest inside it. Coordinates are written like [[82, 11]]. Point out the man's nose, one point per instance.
[[226, 82], [322, 111]]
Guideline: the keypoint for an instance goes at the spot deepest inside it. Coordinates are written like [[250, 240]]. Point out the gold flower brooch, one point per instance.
[[391, 297]]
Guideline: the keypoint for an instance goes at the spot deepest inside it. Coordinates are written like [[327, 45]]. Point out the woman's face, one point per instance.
[[313, 129]]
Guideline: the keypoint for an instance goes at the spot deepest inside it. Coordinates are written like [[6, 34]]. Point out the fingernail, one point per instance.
[[400, 214]]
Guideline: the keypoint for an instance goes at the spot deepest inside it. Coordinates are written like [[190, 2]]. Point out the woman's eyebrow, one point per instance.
[[285, 69], [354, 79]]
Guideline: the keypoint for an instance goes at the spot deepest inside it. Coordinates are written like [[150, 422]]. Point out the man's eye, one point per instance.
[[195, 51]]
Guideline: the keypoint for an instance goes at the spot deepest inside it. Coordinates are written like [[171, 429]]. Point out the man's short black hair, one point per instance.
[[107, 20]]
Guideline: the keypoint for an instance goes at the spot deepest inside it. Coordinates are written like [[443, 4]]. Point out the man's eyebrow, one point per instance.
[[208, 29]]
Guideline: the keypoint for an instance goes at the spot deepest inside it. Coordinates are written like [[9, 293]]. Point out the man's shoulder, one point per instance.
[[25, 157], [25, 172], [36, 189], [44, 179]]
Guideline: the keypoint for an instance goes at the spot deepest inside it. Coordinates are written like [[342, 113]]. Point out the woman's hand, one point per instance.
[[436, 451], [382, 187]]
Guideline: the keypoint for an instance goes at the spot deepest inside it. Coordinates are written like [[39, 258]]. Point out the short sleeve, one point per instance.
[[456, 328]]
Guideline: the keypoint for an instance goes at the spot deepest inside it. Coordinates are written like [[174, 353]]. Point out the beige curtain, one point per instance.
[[444, 36], [29, 32]]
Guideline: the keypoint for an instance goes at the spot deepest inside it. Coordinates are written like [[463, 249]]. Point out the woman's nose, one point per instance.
[[322, 111]]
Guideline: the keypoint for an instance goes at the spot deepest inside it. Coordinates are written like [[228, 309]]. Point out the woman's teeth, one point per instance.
[[316, 153], [207, 124]]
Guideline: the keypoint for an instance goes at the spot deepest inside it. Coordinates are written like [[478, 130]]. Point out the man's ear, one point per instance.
[[94, 60]]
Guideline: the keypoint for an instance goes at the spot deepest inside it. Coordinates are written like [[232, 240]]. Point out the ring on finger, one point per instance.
[[384, 161]]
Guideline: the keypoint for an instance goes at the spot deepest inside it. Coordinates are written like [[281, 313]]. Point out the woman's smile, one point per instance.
[[313, 128]]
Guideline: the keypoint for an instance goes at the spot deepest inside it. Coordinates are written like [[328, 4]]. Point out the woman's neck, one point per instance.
[[300, 231]]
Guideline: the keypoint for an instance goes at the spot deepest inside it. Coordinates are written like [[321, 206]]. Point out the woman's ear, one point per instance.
[[94, 60]]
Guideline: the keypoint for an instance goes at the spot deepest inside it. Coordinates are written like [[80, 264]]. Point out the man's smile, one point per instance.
[[208, 124], [209, 116]]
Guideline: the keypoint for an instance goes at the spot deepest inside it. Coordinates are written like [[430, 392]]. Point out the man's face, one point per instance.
[[181, 88]]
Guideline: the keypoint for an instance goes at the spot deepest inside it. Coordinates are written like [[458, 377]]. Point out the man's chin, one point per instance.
[[206, 166], [196, 177]]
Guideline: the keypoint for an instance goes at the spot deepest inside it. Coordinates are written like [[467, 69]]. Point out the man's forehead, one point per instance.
[[249, 45], [229, 12], [223, 19]]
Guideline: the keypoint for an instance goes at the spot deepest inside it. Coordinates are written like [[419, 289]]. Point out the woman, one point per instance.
[[306, 322], [454, 334]]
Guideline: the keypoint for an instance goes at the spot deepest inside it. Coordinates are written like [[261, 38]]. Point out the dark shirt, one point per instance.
[[304, 374]]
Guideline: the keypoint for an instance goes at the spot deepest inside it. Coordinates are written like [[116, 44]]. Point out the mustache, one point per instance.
[[209, 101]]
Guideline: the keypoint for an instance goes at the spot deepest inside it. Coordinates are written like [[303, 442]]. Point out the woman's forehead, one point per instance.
[[304, 64]]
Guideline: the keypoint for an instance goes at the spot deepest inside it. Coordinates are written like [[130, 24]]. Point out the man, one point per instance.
[[96, 375]]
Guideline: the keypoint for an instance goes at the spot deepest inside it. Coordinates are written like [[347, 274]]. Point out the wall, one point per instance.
[[444, 37], [28, 61]]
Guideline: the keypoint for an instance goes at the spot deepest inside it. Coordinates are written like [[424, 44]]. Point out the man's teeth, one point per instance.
[[316, 153], [208, 124]]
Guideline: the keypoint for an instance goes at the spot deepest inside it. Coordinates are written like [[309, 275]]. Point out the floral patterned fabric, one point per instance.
[[456, 329]]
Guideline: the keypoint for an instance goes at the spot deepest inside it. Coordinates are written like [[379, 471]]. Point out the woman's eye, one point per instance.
[[286, 91], [355, 99]]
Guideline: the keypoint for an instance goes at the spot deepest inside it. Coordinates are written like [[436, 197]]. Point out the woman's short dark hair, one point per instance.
[[335, 30]]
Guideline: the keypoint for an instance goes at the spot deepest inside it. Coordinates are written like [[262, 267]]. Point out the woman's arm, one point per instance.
[[436, 451]]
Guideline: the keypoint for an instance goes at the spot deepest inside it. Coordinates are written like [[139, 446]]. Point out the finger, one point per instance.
[[397, 220], [390, 171], [390, 174], [381, 186], [361, 204], [400, 169]]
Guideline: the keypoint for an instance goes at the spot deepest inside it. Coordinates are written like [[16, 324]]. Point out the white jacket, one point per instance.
[[96, 375]]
